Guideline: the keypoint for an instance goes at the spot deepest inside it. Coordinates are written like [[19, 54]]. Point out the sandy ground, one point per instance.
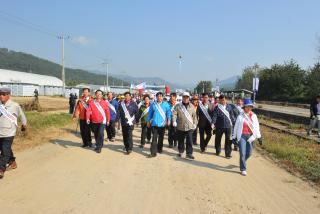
[[61, 177]]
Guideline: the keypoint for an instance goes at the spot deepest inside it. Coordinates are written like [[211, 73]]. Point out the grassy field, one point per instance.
[[41, 127], [297, 155]]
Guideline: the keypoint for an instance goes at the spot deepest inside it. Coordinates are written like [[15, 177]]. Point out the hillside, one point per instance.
[[20, 61]]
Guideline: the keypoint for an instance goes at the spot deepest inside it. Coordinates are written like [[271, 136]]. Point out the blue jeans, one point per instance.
[[245, 149]]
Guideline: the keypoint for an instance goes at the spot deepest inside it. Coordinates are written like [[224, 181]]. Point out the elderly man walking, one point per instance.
[[9, 114], [185, 119]]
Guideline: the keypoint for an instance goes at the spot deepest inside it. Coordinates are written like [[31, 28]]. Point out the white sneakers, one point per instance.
[[244, 173]]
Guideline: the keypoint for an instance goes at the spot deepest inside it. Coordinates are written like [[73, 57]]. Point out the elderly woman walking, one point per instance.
[[246, 131]]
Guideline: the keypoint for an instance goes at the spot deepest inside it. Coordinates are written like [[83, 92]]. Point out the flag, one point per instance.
[[141, 86]]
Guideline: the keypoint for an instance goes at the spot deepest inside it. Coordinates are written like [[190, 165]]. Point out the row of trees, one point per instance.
[[203, 87], [283, 82]]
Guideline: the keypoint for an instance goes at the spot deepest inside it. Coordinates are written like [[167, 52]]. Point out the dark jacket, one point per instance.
[[220, 120], [314, 109], [203, 122], [132, 109]]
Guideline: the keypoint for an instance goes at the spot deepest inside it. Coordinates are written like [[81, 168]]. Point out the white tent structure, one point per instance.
[[24, 84]]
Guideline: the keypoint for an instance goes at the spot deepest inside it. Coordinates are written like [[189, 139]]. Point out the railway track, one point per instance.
[[299, 130]]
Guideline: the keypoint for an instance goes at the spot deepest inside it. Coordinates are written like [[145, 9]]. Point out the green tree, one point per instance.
[[313, 81], [245, 81], [284, 82], [204, 86]]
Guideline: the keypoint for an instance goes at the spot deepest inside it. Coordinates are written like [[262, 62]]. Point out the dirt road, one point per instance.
[[61, 177]]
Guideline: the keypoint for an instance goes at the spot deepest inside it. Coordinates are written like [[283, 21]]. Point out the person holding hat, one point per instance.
[[185, 119], [127, 112], [223, 120], [246, 130], [143, 117], [158, 118], [9, 113]]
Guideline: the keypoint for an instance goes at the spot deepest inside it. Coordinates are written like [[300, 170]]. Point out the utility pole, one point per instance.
[[256, 66], [63, 75], [107, 74], [202, 86]]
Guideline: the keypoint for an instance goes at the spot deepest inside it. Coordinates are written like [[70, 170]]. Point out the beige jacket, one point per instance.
[[183, 124], [8, 128]]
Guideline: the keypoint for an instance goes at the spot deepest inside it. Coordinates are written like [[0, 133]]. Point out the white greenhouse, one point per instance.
[[24, 84]]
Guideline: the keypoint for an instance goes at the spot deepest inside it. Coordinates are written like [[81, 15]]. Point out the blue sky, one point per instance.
[[216, 39]]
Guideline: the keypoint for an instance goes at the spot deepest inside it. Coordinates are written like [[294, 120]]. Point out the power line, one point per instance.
[[27, 24]]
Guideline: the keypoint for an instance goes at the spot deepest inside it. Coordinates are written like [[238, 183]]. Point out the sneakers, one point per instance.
[[152, 155], [179, 155], [229, 157], [189, 156], [244, 173], [98, 151], [12, 165]]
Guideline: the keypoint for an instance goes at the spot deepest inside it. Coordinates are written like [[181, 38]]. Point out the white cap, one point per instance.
[[186, 94]]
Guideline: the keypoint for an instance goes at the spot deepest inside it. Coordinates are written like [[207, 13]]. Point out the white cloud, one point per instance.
[[82, 40], [209, 58]]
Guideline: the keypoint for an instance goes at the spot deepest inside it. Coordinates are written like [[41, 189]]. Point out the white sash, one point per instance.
[[186, 114], [250, 124], [101, 111], [205, 112], [225, 112], [126, 114], [8, 115], [160, 110], [111, 107], [145, 112]]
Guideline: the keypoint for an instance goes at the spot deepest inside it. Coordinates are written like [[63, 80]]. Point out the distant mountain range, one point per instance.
[[24, 62], [228, 83]]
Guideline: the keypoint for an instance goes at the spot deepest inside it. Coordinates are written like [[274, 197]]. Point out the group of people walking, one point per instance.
[[237, 122]]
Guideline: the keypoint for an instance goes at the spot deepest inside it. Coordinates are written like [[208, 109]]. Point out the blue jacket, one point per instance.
[[113, 115], [155, 115], [220, 120], [132, 109]]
